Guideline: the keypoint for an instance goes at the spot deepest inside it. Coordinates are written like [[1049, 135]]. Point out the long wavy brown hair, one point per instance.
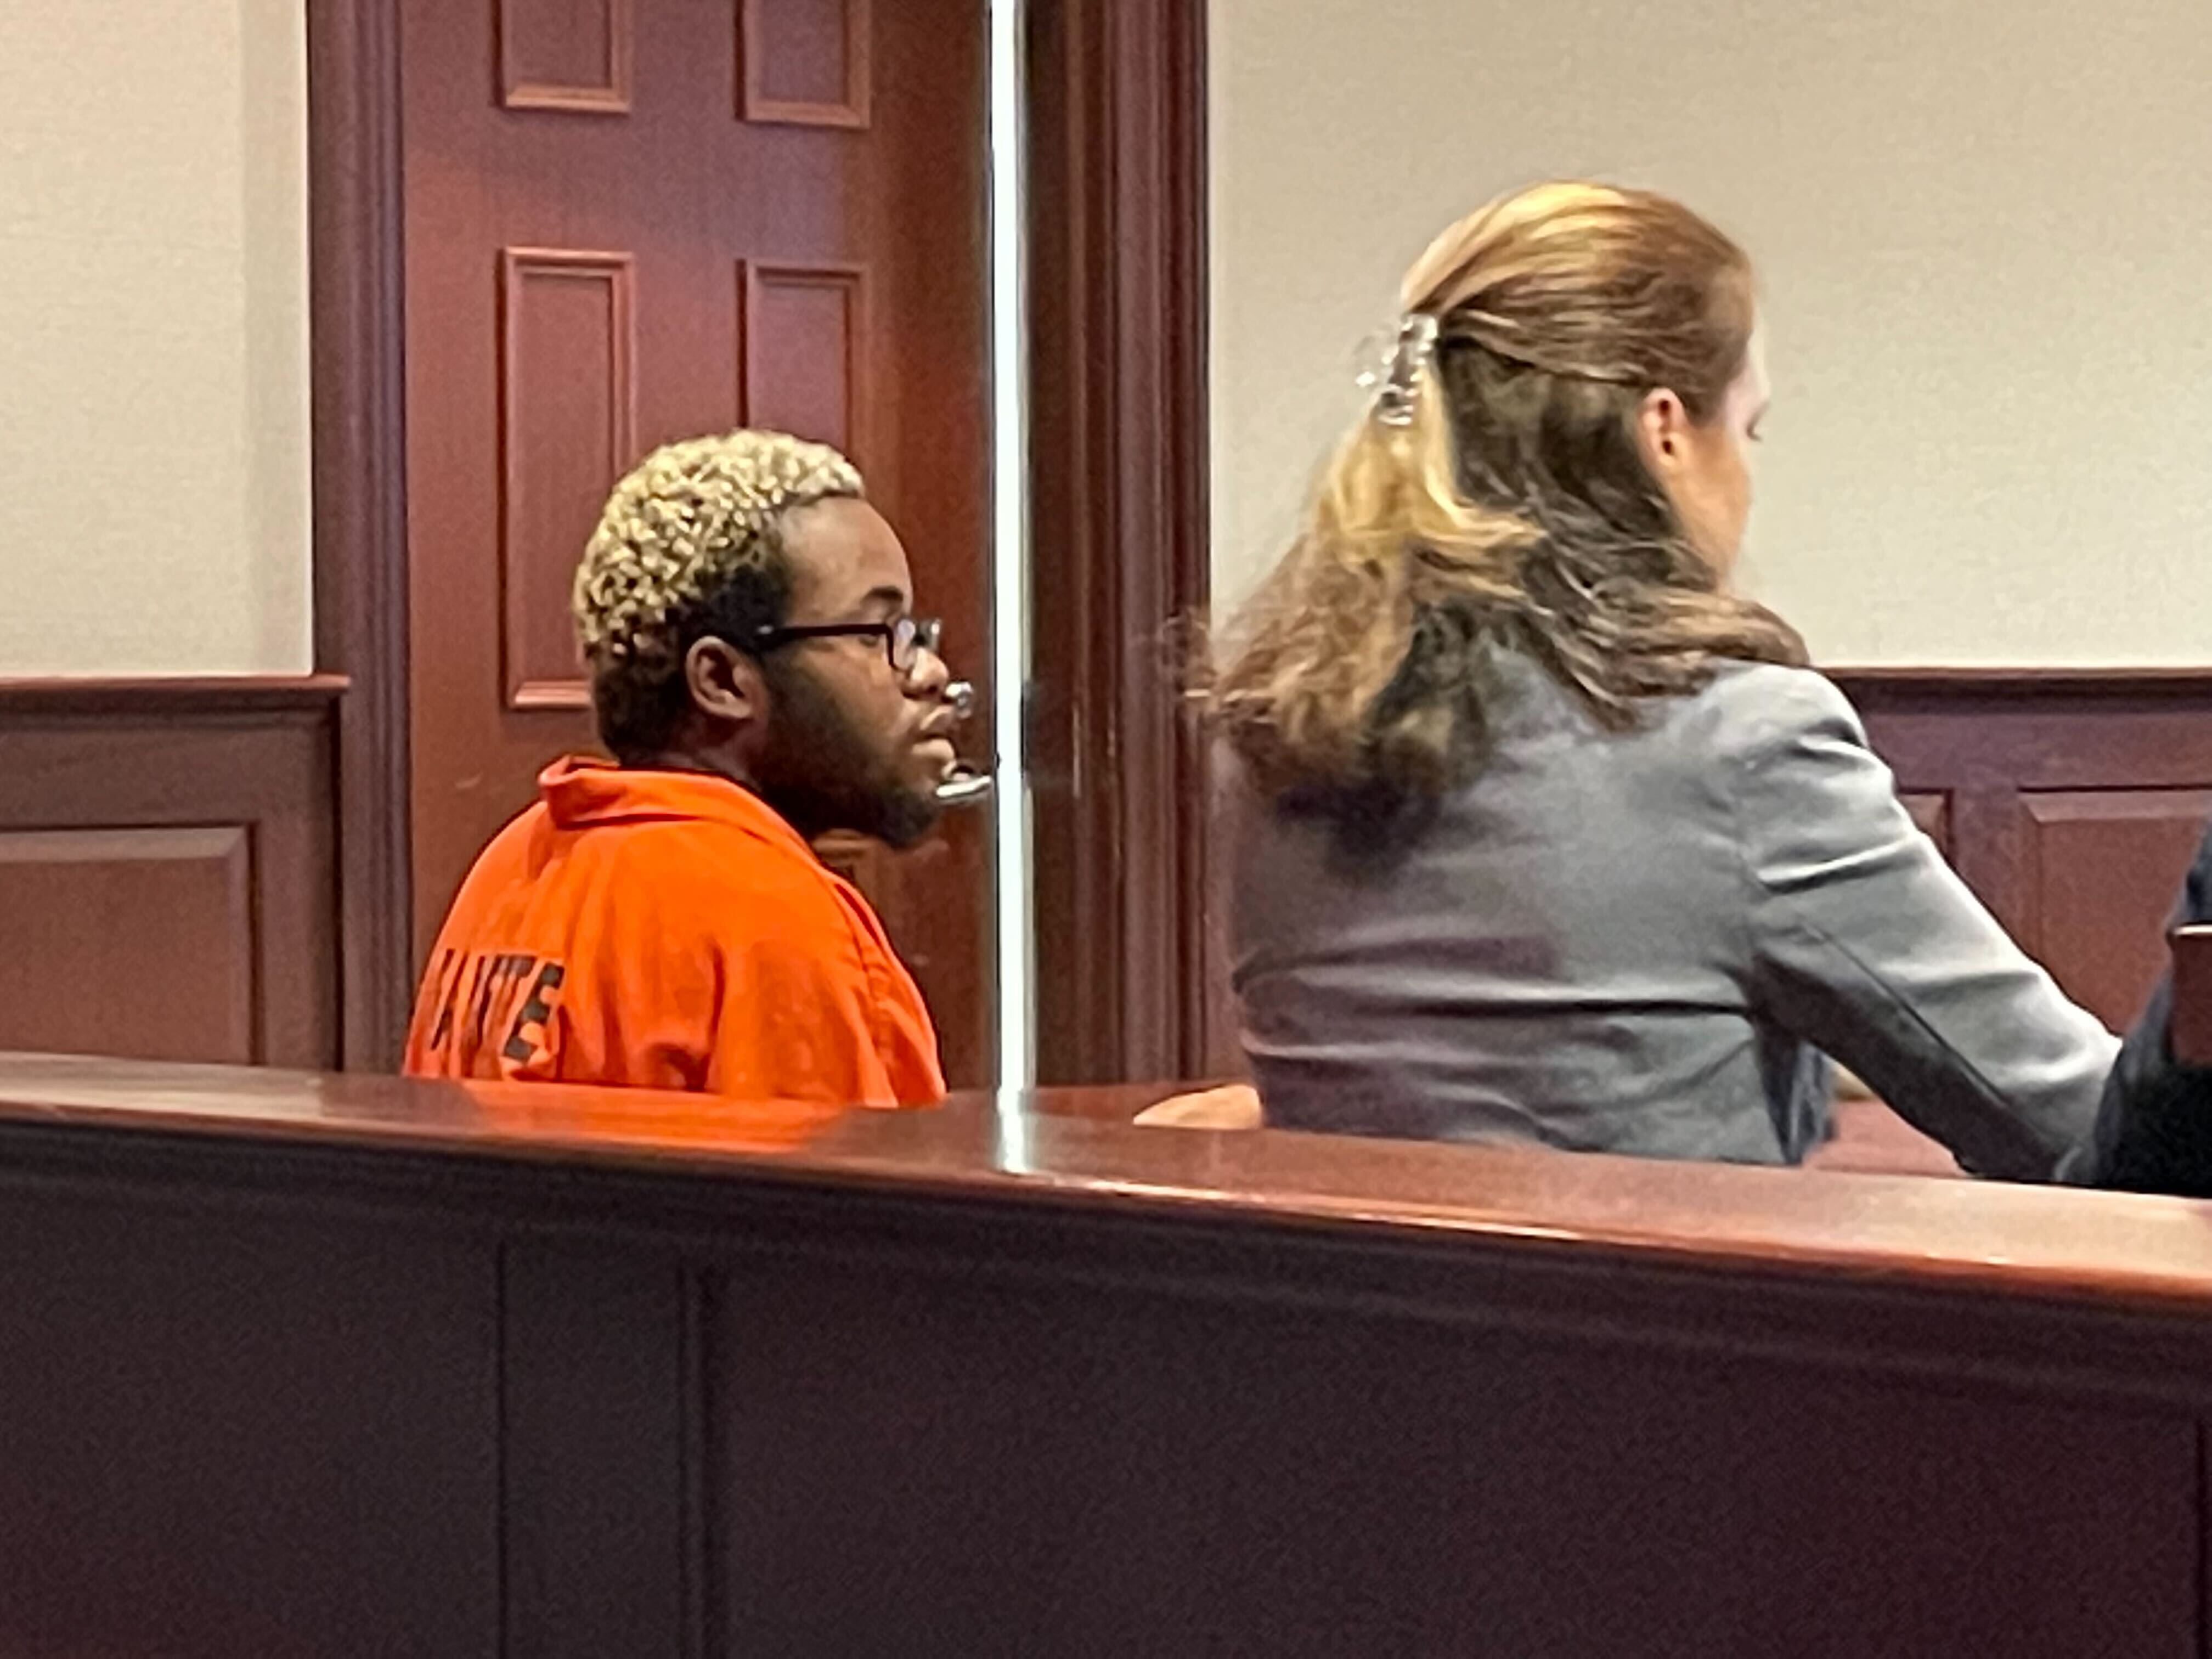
[[1512, 512]]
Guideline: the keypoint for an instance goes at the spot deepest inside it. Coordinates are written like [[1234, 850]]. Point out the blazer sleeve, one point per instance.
[[1864, 942], [2154, 1129]]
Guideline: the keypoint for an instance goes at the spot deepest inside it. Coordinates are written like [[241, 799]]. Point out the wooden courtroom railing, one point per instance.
[[302, 1365]]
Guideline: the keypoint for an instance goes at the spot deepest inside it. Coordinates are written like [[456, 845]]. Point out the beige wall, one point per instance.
[[153, 338], [1983, 227]]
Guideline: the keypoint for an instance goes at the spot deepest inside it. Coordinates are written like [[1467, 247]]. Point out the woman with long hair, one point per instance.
[[1540, 832]]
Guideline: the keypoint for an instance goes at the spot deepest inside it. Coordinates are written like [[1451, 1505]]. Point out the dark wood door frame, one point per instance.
[[1118, 458], [1118, 450], [358, 361]]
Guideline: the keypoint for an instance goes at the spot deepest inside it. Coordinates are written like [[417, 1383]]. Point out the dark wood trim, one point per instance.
[[1118, 458], [643, 1166], [171, 698], [358, 345], [1950, 684]]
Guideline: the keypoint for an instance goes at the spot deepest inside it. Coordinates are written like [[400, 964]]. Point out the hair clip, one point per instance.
[[1400, 386]]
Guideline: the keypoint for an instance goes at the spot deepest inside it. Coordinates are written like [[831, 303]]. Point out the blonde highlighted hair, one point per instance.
[[682, 522], [1503, 504], [690, 543]]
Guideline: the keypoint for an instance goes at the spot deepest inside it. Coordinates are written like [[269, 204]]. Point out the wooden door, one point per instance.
[[632, 220]]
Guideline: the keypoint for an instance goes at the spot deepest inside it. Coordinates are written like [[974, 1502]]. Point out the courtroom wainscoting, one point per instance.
[[2070, 802], [353, 1366], [216, 868], [167, 885]]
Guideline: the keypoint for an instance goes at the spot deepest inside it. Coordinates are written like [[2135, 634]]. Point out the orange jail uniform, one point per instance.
[[668, 930]]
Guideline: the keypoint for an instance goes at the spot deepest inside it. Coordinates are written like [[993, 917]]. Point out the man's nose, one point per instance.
[[929, 676]]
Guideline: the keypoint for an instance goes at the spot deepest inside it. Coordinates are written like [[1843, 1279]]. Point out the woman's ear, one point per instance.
[[725, 683], [1663, 432]]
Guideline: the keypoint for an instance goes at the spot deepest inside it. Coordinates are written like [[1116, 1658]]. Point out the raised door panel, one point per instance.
[[807, 63], [804, 358], [576, 56], [567, 430]]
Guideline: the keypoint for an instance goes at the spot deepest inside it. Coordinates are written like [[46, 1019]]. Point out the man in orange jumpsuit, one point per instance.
[[662, 922]]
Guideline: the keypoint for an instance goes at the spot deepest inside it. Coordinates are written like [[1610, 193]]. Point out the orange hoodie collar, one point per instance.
[[581, 792]]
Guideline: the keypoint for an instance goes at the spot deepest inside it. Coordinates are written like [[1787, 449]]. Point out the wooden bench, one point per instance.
[[327, 1366]]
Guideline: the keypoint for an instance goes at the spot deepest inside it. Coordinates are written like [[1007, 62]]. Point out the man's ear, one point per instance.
[[1663, 432], [725, 683]]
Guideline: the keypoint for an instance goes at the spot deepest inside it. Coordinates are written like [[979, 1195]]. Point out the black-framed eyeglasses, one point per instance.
[[905, 638]]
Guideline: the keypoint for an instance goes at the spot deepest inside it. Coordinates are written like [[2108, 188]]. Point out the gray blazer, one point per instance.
[[1646, 943]]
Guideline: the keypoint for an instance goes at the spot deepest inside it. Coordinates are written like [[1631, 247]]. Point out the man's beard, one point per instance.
[[821, 772]]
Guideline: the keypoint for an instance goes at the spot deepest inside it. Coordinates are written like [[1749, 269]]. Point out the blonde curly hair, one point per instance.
[[687, 516], [690, 543]]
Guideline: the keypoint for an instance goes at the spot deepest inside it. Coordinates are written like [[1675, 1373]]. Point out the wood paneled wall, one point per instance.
[[176, 855], [2070, 802], [168, 850], [169, 870]]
